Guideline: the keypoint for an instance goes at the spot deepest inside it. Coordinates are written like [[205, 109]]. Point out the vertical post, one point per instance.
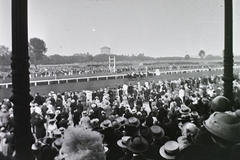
[[20, 81], [114, 70], [228, 51]]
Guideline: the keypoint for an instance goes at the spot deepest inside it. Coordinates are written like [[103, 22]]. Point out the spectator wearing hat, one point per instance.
[[102, 117], [63, 122], [40, 128], [158, 134], [132, 126], [171, 126], [139, 104], [111, 136], [36, 148], [152, 151], [85, 120], [122, 143], [4, 117], [32, 118], [137, 145], [127, 113], [224, 130], [51, 127], [169, 150], [220, 104], [121, 109], [189, 132]]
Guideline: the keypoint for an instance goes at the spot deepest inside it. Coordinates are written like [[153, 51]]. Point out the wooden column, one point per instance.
[[228, 50], [20, 81]]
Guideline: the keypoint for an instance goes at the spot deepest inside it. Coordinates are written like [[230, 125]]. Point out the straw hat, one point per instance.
[[157, 131], [169, 150], [122, 142], [223, 125], [133, 121], [37, 145], [121, 120], [105, 124]]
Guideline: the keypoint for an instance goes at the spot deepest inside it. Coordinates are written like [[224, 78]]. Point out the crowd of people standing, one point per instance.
[[187, 118]]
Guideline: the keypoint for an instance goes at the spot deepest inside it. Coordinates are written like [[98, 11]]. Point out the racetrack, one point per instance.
[[93, 85]]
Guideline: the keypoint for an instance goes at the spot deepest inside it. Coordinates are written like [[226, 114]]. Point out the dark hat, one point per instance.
[[146, 133], [157, 131], [184, 109], [122, 142], [223, 125], [194, 115], [220, 104], [133, 121], [116, 125], [185, 118], [169, 150], [137, 144]]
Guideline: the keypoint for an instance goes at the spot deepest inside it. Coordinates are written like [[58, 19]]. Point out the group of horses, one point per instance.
[[134, 76]]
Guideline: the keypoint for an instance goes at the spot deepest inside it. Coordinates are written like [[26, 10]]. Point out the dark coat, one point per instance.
[[40, 128]]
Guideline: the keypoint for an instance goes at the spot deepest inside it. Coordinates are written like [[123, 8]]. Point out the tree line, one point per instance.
[[38, 48]]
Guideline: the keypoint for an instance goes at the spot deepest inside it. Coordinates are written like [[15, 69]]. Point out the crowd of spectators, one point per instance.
[[182, 119], [69, 70]]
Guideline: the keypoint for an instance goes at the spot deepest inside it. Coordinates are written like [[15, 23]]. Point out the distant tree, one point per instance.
[[37, 48], [201, 54], [187, 57], [5, 55]]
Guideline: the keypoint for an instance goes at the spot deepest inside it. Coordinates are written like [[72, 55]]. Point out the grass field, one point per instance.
[[93, 85]]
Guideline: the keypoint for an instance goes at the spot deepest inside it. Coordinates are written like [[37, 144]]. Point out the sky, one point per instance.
[[157, 28]]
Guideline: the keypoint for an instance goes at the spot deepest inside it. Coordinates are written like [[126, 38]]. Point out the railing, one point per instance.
[[106, 77]]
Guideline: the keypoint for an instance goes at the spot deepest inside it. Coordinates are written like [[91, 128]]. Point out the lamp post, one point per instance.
[[228, 50], [21, 98]]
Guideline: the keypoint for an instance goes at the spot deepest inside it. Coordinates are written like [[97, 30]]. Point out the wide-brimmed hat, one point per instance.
[[184, 109], [194, 115], [223, 125], [116, 125], [37, 145], [169, 150], [184, 117], [137, 144], [183, 142], [122, 142], [85, 113], [157, 131], [93, 105], [106, 123], [146, 133], [133, 121]]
